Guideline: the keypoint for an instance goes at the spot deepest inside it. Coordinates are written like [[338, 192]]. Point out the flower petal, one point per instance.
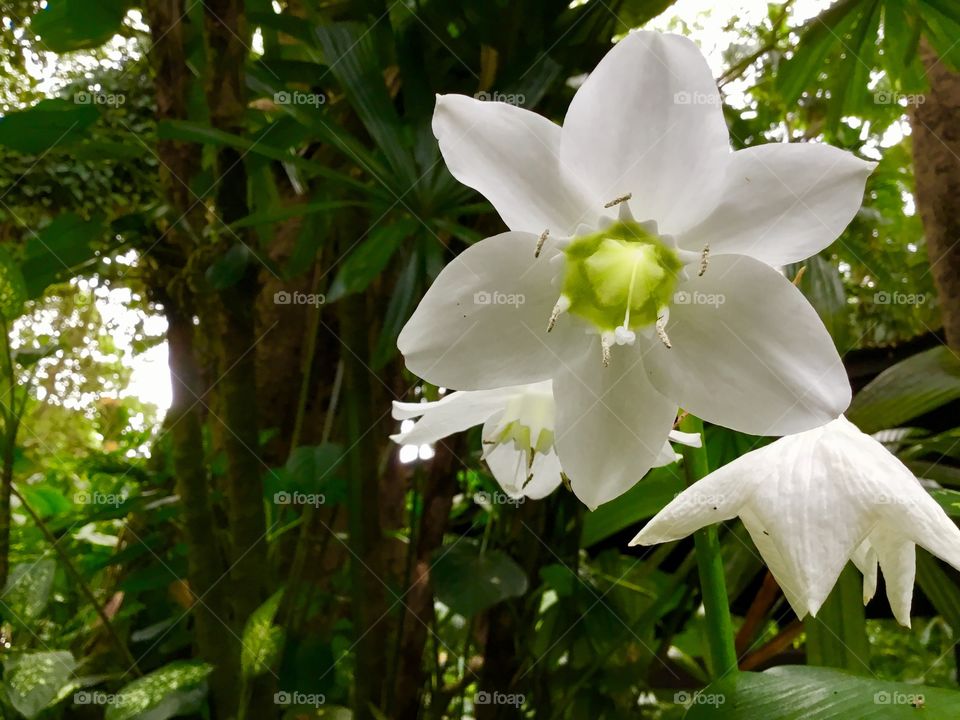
[[775, 563], [511, 156], [482, 324], [898, 561], [544, 476], [749, 352], [783, 202], [865, 558], [453, 413], [648, 121], [611, 424]]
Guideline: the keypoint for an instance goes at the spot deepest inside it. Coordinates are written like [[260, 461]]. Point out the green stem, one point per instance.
[[723, 656]]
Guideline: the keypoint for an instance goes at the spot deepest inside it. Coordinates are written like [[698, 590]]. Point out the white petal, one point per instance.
[[611, 424], [511, 156], [749, 352], [453, 413], [467, 334], [865, 558], [898, 561], [685, 438], [783, 202], [508, 467], [781, 571], [719, 496], [666, 456], [648, 121], [545, 475]]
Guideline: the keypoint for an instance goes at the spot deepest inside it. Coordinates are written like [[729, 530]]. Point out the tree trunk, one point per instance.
[[936, 159]]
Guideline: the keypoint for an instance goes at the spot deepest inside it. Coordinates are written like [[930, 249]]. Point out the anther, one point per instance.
[[799, 276], [662, 331], [606, 341], [563, 304], [704, 260], [540, 241], [617, 201]]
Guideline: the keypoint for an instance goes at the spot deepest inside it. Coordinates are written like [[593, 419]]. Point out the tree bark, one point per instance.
[[936, 158]]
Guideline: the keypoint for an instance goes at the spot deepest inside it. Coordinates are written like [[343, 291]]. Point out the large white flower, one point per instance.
[[813, 501], [638, 274], [518, 433]]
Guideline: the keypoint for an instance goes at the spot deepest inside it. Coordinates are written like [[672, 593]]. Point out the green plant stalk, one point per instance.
[[723, 656]]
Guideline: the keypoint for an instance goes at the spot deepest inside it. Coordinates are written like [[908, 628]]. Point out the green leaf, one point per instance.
[[398, 312], [642, 501], [837, 636], [227, 269], [174, 689], [806, 693], [47, 124], [65, 25], [59, 250], [912, 387], [28, 590], [34, 680], [262, 640], [369, 258], [469, 582], [13, 288]]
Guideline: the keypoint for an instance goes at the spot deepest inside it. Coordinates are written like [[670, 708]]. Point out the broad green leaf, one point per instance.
[[939, 587], [262, 640], [175, 689], [398, 312], [837, 636], [807, 693], [47, 124], [823, 287], [912, 387], [28, 590], [229, 268], [65, 25], [369, 258], [59, 250], [642, 501], [13, 288], [469, 582], [34, 680]]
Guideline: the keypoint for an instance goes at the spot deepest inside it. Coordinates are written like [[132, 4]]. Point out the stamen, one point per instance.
[[662, 331], [540, 241], [563, 304], [606, 341], [624, 335], [704, 260], [799, 276], [617, 201]]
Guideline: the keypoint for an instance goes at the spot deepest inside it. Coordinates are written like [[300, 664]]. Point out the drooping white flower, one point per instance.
[[813, 501], [518, 437], [637, 273]]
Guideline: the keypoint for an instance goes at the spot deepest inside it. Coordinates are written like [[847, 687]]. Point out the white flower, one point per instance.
[[813, 501], [664, 300], [518, 433]]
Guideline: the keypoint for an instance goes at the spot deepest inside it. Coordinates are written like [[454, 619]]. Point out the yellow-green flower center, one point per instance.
[[527, 422], [619, 277]]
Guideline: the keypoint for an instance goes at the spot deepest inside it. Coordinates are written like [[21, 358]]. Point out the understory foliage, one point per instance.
[[256, 185]]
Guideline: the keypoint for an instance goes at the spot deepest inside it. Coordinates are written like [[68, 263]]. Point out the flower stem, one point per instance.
[[723, 656]]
